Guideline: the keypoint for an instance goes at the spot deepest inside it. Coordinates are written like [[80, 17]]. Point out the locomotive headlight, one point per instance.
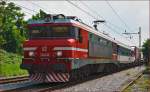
[[59, 53], [31, 53]]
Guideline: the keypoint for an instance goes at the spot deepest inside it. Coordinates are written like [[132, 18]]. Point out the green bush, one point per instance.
[[10, 64]]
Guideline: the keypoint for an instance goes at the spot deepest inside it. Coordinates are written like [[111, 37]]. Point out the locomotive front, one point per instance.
[[49, 50]]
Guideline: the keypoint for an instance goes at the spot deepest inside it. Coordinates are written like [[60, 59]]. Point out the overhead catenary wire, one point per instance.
[[81, 9], [42, 8], [119, 33], [101, 16], [26, 8], [106, 20], [91, 9], [115, 12], [27, 12]]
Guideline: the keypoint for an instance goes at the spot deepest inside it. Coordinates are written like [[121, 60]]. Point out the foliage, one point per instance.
[[13, 33], [146, 48], [140, 85], [12, 27], [10, 64], [39, 15]]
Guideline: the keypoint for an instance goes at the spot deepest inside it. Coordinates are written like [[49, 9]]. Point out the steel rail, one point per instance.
[[58, 86], [14, 79], [131, 82]]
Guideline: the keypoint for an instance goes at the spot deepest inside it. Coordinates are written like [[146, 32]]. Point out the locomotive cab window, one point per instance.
[[60, 31], [37, 32]]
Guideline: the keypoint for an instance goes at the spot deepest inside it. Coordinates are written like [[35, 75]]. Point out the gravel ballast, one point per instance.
[[109, 83]]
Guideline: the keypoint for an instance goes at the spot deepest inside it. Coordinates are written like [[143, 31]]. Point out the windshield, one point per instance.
[[52, 32]]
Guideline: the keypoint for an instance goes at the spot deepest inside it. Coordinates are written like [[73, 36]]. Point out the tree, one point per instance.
[[146, 50], [39, 15], [12, 27]]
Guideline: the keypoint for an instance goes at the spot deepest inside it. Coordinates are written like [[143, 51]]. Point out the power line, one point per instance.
[[27, 8], [81, 9], [103, 18], [88, 13], [117, 14], [39, 6], [91, 9], [27, 12], [119, 34]]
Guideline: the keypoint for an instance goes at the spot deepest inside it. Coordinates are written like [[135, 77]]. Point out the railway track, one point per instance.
[[70, 84], [131, 82], [13, 79], [73, 83], [57, 86]]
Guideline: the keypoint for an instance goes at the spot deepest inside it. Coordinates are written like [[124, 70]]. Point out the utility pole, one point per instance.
[[139, 37], [138, 33]]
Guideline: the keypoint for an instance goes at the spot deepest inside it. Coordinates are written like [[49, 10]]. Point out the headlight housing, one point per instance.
[[59, 53], [31, 53]]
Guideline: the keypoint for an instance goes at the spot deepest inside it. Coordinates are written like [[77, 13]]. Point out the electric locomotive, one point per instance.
[[63, 48]]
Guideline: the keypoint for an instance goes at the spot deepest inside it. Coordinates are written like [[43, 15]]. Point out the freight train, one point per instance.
[[63, 48]]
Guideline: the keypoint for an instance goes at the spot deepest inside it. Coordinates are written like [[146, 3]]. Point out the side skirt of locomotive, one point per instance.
[[84, 68], [105, 66]]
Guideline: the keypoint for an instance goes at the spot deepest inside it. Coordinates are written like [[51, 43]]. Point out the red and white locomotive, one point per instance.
[[62, 48]]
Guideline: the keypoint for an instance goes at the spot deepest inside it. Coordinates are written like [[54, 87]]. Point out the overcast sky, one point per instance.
[[132, 15]]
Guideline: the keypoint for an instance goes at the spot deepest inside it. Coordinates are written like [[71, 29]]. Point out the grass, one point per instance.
[[147, 68], [142, 84], [10, 64]]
